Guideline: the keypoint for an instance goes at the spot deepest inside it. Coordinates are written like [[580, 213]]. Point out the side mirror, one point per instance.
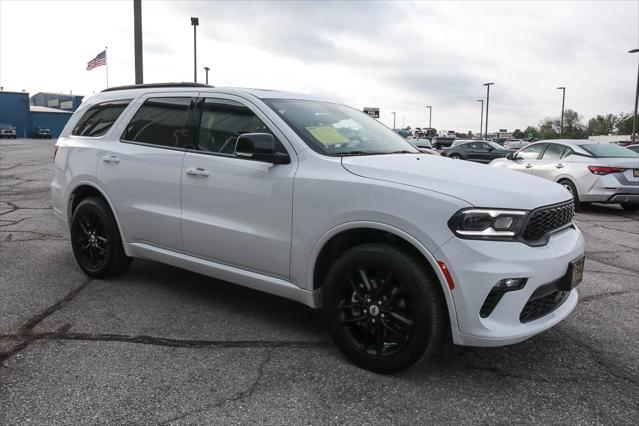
[[510, 156], [259, 147]]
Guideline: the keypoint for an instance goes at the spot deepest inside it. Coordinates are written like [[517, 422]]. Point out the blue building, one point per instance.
[[25, 115]]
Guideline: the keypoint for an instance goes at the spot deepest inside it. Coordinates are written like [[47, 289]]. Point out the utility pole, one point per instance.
[[206, 70], [487, 104], [137, 40], [634, 117], [563, 100], [393, 119], [481, 118], [430, 116], [195, 22]]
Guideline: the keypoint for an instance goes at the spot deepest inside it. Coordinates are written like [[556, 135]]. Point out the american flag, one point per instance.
[[97, 61]]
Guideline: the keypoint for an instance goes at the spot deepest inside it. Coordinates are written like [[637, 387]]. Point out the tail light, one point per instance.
[[601, 170]]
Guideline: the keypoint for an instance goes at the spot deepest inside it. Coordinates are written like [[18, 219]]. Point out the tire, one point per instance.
[[406, 324], [630, 207], [96, 241], [573, 190], [455, 156]]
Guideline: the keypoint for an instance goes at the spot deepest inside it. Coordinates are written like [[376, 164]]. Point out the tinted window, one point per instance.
[[161, 121], [99, 118], [531, 152], [223, 121], [609, 150], [553, 152], [567, 152]]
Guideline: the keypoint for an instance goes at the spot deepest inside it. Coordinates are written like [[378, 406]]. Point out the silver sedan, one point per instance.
[[592, 172]]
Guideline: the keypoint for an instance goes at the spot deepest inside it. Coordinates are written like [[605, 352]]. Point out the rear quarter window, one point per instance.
[[98, 119]]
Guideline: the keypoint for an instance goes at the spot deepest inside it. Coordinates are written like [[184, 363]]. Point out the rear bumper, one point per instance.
[[476, 266], [611, 189], [625, 198]]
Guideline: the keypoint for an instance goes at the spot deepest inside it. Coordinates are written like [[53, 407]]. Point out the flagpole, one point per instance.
[[106, 62]]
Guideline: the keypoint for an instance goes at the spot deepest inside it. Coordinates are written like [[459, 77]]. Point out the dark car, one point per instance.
[[479, 151], [7, 131], [442, 142], [42, 133]]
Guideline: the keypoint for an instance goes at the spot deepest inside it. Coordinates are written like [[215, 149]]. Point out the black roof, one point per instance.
[[155, 85]]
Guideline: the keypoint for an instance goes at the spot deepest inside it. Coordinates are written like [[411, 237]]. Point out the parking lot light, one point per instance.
[[481, 118], [563, 99], [487, 104], [195, 22], [430, 116], [634, 117], [206, 70]]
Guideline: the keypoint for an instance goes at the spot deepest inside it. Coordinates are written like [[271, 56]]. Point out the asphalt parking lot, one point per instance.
[[163, 345]]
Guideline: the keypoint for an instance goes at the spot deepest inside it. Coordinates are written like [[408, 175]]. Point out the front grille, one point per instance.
[[547, 219], [537, 308]]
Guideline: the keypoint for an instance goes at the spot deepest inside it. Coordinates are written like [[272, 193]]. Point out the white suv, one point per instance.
[[319, 203]]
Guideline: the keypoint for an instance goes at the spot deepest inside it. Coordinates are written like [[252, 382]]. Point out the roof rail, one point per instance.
[[155, 85]]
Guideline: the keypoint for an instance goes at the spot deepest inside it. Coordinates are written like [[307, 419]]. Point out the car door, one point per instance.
[[236, 211], [549, 166], [142, 169], [523, 160]]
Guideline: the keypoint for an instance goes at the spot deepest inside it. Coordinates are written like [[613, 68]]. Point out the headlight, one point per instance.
[[487, 224]]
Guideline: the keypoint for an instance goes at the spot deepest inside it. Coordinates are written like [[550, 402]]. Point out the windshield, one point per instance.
[[609, 150], [333, 129]]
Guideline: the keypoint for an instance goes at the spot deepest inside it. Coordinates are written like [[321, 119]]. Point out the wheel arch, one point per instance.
[[84, 189], [361, 232]]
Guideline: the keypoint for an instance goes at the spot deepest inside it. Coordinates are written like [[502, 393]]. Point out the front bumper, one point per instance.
[[476, 266]]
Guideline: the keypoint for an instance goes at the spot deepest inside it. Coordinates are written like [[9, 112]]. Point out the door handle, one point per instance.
[[197, 172], [111, 159], [528, 166], [560, 166]]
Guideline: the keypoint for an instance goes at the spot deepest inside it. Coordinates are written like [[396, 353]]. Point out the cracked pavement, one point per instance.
[[163, 345]]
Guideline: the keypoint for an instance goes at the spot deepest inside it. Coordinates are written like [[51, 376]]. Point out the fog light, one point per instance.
[[510, 284]]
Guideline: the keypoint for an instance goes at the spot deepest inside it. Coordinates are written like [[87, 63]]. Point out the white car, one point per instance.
[[593, 172], [319, 203]]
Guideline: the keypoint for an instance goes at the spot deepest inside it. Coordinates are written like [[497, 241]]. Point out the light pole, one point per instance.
[[563, 100], [137, 40], [430, 116], [481, 118], [393, 119], [634, 117], [487, 103], [206, 70], [195, 22]]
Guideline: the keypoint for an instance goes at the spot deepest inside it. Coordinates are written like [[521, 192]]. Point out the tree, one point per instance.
[[549, 129], [518, 134], [573, 128], [624, 126], [531, 133]]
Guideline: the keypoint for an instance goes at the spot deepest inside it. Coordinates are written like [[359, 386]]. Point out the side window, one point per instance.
[[531, 153], [567, 152], [161, 121], [553, 152], [99, 118], [223, 121]]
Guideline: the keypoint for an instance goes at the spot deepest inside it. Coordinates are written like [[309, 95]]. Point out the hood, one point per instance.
[[477, 184]]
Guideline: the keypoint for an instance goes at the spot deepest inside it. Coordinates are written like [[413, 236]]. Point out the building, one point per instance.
[[25, 115]]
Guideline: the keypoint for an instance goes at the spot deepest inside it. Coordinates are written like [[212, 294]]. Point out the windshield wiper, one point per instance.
[[347, 153], [403, 152]]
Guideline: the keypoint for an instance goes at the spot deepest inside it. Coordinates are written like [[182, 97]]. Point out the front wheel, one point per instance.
[[96, 241], [383, 308], [455, 156]]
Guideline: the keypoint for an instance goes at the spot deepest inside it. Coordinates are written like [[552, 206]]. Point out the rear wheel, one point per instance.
[[630, 207], [96, 241], [455, 156], [570, 187], [383, 308]]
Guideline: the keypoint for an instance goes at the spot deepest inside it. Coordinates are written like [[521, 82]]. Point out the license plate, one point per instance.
[[576, 269], [635, 172]]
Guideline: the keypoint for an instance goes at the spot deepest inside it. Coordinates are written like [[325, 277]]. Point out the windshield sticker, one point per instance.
[[327, 135]]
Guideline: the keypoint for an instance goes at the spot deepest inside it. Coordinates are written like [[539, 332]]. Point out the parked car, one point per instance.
[[7, 131], [634, 147], [459, 142], [515, 145], [319, 203], [424, 146], [481, 152], [442, 142], [591, 172], [42, 133]]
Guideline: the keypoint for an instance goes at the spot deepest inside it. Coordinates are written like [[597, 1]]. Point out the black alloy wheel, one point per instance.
[[96, 241], [383, 308]]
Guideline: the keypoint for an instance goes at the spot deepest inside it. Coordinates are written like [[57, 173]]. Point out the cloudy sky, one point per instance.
[[398, 56]]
